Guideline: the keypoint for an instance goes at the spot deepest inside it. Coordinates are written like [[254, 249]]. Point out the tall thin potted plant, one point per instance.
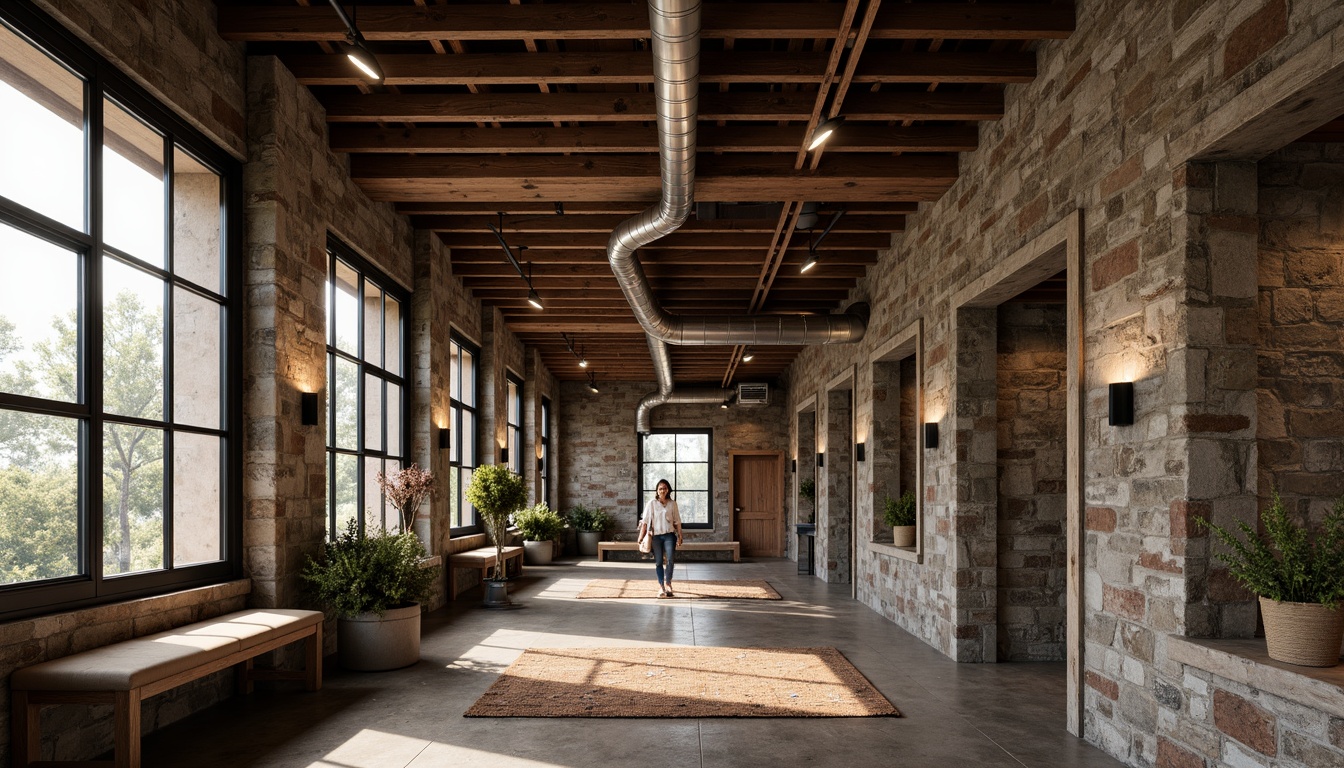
[[497, 493], [1299, 577]]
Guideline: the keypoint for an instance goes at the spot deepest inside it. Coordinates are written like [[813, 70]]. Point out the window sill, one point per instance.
[[1245, 661], [900, 553]]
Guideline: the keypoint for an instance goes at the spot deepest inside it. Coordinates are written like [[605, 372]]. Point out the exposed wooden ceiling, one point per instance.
[[502, 113]]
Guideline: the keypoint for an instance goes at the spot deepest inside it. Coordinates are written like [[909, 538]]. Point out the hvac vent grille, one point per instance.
[[753, 394]]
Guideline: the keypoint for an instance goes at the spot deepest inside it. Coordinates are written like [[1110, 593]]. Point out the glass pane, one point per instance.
[[468, 395], [655, 471], [454, 498], [694, 507], [196, 355], [692, 477], [373, 497], [373, 324], [197, 505], [466, 512], [515, 455], [373, 413], [454, 369], [42, 135], [346, 325], [198, 232], [39, 497], [39, 317], [392, 337], [468, 438], [692, 447], [394, 447], [132, 499], [133, 189], [132, 341], [660, 447], [345, 400], [347, 490]]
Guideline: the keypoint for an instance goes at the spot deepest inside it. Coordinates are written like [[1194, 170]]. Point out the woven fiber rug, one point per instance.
[[682, 682], [745, 589]]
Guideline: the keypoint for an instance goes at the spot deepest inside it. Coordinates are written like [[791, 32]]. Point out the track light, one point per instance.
[[724, 405], [747, 355], [592, 383], [578, 355], [811, 262], [534, 299], [583, 362], [355, 47], [812, 246], [824, 131]]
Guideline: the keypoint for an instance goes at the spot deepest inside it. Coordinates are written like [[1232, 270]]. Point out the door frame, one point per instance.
[[732, 483]]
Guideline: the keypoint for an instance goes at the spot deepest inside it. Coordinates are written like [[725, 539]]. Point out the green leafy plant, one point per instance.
[[591, 519], [371, 573], [807, 488], [497, 493], [900, 511], [539, 523], [1288, 563]]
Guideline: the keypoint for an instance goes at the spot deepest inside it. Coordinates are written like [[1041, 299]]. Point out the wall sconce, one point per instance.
[[821, 459], [858, 451], [503, 455], [541, 465], [931, 435], [445, 438], [794, 466], [308, 408], [1121, 404]]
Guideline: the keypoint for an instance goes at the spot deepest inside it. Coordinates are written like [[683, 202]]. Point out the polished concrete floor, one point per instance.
[[953, 714]]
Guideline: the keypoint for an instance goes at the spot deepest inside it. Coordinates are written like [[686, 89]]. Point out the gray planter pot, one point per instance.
[[538, 552], [588, 542], [368, 643], [496, 593]]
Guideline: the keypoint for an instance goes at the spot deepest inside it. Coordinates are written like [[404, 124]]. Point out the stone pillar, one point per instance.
[[429, 384], [835, 534]]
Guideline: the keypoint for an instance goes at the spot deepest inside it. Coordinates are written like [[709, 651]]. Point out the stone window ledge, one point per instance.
[[431, 562], [1245, 661], [891, 550]]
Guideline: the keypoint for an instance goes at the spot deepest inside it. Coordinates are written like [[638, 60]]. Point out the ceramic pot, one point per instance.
[[370, 643], [588, 542], [496, 593], [538, 552]]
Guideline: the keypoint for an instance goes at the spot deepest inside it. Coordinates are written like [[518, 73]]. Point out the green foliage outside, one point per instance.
[[807, 488], [900, 511], [1288, 563], [539, 523], [497, 493], [591, 519], [369, 573]]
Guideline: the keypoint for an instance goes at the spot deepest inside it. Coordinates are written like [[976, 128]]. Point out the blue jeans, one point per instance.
[[664, 542]]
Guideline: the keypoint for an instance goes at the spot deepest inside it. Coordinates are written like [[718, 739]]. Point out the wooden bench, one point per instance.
[[603, 547], [482, 559], [124, 674]]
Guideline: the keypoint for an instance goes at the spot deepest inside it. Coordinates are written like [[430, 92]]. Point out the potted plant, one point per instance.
[[497, 493], [374, 583], [900, 515], [590, 522], [540, 525], [1299, 578], [406, 489], [807, 490]]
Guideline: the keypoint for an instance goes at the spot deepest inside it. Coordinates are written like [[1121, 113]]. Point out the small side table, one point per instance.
[[807, 536]]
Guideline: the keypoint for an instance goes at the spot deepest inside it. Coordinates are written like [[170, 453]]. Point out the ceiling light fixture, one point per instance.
[[532, 297], [824, 132], [569, 344], [747, 355], [356, 47], [592, 383], [812, 257]]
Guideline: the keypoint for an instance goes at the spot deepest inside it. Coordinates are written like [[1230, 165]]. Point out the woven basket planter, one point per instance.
[[1305, 634]]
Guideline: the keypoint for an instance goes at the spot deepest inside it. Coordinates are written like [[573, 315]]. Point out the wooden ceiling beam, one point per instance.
[[688, 240], [599, 21], [703, 281], [626, 208], [605, 224], [652, 257], [655, 272]]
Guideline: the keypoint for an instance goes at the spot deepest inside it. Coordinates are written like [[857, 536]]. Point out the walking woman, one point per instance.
[[662, 520]]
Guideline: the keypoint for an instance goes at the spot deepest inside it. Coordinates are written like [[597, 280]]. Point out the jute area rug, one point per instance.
[[682, 682], [747, 589]]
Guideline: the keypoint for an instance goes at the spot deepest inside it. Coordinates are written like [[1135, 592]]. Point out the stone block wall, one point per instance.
[[1031, 427], [836, 500]]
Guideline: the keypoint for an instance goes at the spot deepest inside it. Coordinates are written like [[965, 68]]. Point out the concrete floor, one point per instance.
[[954, 714]]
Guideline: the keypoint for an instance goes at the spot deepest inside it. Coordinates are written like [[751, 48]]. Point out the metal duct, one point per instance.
[[675, 26]]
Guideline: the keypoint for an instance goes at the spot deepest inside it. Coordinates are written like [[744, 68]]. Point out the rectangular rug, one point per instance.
[[741, 589], [682, 682]]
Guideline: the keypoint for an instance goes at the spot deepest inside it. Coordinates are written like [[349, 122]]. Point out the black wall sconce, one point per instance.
[[541, 465], [308, 408], [858, 451], [821, 459], [931, 435], [1122, 404], [794, 467], [445, 438], [504, 455]]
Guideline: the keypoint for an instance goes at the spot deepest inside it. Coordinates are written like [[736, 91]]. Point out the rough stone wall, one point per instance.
[[598, 466], [539, 383], [1098, 131], [837, 507], [1031, 425], [886, 446]]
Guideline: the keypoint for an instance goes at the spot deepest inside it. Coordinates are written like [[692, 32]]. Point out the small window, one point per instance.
[[681, 457], [463, 379], [514, 423], [544, 462]]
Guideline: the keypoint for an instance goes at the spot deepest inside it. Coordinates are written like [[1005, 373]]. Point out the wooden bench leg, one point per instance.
[[312, 660], [242, 677], [126, 750], [26, 729]]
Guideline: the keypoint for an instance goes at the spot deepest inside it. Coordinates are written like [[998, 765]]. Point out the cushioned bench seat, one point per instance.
[[124, 674], [603, 547], [482, 559]]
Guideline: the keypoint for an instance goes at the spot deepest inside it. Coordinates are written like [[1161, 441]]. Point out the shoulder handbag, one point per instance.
[[646, 540]]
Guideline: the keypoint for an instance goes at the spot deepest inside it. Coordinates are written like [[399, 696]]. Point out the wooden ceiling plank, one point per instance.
[[607, 223], [597, 241], [627, 208]]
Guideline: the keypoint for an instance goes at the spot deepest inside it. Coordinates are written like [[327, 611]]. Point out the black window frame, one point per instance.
[[544, 462], [513, 421], [104, 82], [337, 250], [456, 407], [640, 491]]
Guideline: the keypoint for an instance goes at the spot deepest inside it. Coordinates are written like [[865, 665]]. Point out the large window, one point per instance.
[[117, 449], [514, 422], [463, 378], [366, 410], [544, 461], [681, 457]]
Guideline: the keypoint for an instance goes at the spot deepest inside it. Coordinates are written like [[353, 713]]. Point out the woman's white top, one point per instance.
[[662, 516]]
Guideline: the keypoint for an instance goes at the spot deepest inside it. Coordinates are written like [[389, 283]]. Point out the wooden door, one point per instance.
[[758, 503]]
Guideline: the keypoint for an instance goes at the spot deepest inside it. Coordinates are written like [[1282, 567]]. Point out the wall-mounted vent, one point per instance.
[[753, 394]]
